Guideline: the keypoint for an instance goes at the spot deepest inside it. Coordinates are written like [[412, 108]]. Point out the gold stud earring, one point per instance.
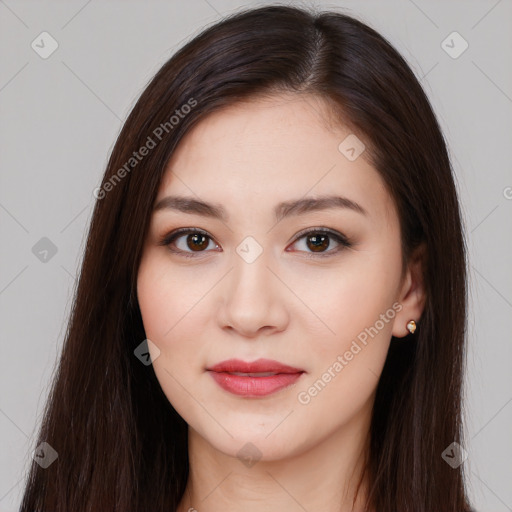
[[411, 326]]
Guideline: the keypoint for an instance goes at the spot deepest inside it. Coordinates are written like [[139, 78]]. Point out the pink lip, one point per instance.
[[254, 386]]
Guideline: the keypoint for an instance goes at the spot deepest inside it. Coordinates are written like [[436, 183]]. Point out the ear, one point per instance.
[[412, 294]]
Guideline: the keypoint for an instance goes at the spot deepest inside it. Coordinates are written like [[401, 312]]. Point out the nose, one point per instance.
[[253, 299]]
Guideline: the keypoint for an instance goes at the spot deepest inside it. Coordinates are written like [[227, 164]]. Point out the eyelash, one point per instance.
[[338, 237]]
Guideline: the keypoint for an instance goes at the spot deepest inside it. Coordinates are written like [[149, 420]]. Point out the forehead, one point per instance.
[[285, 126], [270, 149]]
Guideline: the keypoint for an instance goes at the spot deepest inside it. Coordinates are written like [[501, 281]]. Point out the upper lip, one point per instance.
[[258, 366]]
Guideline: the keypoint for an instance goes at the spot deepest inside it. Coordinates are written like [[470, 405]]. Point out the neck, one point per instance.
[[324, 477]]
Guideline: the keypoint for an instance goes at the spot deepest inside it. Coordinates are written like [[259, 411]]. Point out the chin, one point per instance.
[[257, 445]]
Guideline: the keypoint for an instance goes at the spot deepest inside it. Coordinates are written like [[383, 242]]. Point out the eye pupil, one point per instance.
[[320, 242], [199, 242]]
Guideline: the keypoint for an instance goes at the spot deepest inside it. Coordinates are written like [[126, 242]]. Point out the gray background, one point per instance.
[[60, 117]]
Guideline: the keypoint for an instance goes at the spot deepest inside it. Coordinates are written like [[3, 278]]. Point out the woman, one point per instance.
[[272, 305]]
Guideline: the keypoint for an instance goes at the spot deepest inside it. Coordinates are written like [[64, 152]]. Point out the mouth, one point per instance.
[[257, 379], [241, 374]]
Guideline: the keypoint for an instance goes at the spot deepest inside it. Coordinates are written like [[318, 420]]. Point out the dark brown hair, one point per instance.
[[121, 445]]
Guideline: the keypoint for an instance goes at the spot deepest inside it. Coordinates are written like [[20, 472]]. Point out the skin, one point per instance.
[[304, 312]]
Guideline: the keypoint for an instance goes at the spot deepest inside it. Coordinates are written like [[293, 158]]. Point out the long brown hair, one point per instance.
[[120, 443]]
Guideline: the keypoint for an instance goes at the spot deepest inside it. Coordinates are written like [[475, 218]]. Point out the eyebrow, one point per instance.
[[282, 210]]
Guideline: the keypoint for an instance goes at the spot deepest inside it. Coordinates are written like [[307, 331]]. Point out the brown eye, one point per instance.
[[187, 241], [197, 242], [317, 243]]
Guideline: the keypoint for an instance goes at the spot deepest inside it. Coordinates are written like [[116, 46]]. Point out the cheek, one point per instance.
[[166, 301], [346, 365], [346, 301], [166, 296], [155, 300], [359, 305]]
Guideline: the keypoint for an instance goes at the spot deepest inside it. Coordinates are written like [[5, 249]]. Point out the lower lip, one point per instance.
[[254, 386]]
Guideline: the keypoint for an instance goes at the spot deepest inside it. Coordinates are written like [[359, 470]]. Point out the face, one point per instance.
[[314, 288]]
